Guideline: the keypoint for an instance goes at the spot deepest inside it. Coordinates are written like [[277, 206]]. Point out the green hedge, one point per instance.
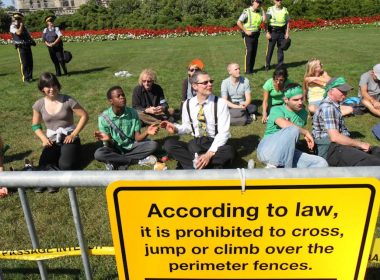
[[178, 13]]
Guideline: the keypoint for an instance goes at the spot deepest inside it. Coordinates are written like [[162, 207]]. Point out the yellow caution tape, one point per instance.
[[45, 254]]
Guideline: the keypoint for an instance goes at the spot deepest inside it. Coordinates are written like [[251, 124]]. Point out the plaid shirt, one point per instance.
[[328, 116]]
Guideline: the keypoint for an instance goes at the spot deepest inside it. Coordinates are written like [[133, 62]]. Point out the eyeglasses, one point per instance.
[[147, 81], [193, 69], [279, 80], [205, 83]]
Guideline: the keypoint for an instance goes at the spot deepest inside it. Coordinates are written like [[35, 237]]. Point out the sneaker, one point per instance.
[[109, 166], [52, 190], [253, 117], [270, 166], [251, 164], [149, 160], [39, 190]]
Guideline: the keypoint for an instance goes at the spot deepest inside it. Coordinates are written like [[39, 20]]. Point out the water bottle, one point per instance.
[[195, 160]]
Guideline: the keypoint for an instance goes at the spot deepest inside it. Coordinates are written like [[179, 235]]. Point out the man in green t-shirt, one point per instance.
[[285, 124], [119, 129]]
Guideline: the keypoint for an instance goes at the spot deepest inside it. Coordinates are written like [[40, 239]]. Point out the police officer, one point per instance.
[[22, 41], [277, 31], [249, 22], [52, 37]]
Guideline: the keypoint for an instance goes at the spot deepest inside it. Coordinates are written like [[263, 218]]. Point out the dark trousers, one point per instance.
[[277, 37], [26, 61], [340, 155], [63, 156], [56, 55], [139, 150], [250, 43], [184, 152]]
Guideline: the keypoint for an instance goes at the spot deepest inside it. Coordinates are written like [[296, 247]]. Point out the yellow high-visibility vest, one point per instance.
[[278, 17], [255, 18]]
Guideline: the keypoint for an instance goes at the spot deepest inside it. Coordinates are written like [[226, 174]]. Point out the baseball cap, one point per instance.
[[376, 71], [197, 62], [339, 83]]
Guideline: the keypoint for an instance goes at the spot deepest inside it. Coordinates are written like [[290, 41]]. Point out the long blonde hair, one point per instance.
[[311, 65]]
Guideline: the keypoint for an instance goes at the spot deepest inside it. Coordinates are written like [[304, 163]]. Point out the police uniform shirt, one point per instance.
[[50, 35]]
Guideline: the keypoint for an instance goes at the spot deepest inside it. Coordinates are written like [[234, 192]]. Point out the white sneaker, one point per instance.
[[149, 160], [270, 166], [251, 164], [253, 117]]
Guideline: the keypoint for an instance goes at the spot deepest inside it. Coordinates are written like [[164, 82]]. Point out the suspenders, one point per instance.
[[215, 114]]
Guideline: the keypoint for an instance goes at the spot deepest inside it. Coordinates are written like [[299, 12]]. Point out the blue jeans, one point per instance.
[[279, 149]]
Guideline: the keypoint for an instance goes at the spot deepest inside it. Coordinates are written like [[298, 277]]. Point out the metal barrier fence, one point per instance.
[[73, 179]]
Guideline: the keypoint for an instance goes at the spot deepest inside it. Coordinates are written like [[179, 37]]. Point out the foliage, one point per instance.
[[5, 21], [158, 14]]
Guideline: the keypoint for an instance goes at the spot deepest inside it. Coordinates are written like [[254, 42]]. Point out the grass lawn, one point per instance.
[[346, 52]]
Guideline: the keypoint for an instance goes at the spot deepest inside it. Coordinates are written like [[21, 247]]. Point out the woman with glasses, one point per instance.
[[314, 83], [273, 91], [148, 99], [277, 31], [187, 91]]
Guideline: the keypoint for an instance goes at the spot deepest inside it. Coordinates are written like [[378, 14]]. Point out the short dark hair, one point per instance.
[[194, 79], [111, 89], [281, 71], [48, 79]]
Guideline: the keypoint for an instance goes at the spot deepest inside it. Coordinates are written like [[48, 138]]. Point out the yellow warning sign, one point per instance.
[[276, 229]]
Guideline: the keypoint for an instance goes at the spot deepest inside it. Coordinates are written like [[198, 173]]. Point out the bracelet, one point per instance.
[[36, 127]]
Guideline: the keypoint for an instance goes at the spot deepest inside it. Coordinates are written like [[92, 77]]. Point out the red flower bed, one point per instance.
[[126, 33]]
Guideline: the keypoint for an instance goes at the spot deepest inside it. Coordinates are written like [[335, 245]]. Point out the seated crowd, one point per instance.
[[124, 130]]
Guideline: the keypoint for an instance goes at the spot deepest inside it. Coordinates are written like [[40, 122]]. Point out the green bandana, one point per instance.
[[338, 82], [293, 92]]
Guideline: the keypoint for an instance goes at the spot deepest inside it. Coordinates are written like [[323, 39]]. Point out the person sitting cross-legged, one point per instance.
[[331, 134], [120, 131], [369, 90], [208, 119], [285, 124], [237, 93]]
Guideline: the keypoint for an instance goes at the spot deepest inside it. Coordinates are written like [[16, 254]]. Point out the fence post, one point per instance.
[[32, 230], [80, 234]]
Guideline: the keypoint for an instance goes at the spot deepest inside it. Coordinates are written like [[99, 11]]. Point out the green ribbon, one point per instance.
[[293, 92], [338, 82]]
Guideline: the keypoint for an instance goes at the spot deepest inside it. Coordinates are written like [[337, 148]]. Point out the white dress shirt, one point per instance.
[[223, 114]]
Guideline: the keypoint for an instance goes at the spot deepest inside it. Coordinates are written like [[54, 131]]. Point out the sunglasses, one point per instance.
[[205, 83], [147, 81], [193, 69]]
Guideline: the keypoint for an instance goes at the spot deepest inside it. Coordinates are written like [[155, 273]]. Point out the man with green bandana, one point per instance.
[[285, 124], [332, 136]]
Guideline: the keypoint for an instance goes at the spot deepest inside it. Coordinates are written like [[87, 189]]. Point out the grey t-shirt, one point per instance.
[[235, 93], [64, 118], [373, 87]]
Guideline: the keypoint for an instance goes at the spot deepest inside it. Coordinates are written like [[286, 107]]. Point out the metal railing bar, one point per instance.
[[80, 233], [32, 230], [24, 179]]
